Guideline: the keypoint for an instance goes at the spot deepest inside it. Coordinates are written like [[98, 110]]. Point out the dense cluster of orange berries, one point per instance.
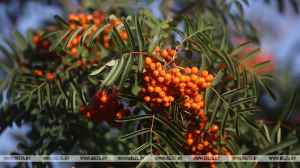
[[105, 108], [194, 145], [166, 54], [162, 87]]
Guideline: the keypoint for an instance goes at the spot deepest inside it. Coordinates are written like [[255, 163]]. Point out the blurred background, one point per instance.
[[277, 22]]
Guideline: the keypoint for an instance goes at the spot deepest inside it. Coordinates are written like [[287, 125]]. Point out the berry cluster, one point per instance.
[[162, 86], [166, 54], [41, 45], [105, 108], [194, 145]]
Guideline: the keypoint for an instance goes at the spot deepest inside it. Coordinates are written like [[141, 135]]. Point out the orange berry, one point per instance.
[[36, 39], [214, 128], [187, 70], [182, 85], [157, 89], [178, 74], [174, 70], [197, 98], [187, 78], [157, 49], [158, 65], [190, 84], [147, 79], [158, 100], [208, 78], [208, 84], [71, 17], [166, 104], [194, 78], [162, 94], [164, 53], [152, 66], [182, 79], [204, 73], [171, 98], [150, 89], [50, 76], [162, 73], [160, 79], [167, 76], [166, 99], [148, 61], [173, 53], [147, 98], [103, 99], [187, 104], [200, 147], [156, 73], [38, 72], [190, 141], [201, 80], [175, 80], [205, 144], [195, 70], [204, 85]]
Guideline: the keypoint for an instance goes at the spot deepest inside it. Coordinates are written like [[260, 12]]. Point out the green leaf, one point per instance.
[[276, 147], [28, 102], [237, 128], [152, 17], [4, 83], [141, 164], [58, 40], [151, 25], [289, 106], [268, 90], [82, 97], [61, 21], [10, 87], [126, 71], [218, 78], [61, 86], [133, 118], [141, 65], [251, 123], [168, 142], [177, 31], [139, 34], [111, 72], [189, 26], [133, 134], [235, 91], [249, 110], [71, 37], [40, 97], [14, 48], [261, 65], [208, 93], [130, 35], [21, 98], [245, 76], [238, 102], [76, 22], [239, 7], [24, 148], [98, 71], [155, 40], [241, 47], [225, 116], [21, 41], [8, 55], [119, 38], [96, 33], [117, 72], [214, 114], [124, 96], [49, 33], [267, 77], [140, 149], [254, 85], [203, 63], [85, 33], [49, 94], [251, 55], [172, 127], [157, 56], [73, 101]]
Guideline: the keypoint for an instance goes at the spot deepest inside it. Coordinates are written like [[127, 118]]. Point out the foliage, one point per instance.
[[50, 82]]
